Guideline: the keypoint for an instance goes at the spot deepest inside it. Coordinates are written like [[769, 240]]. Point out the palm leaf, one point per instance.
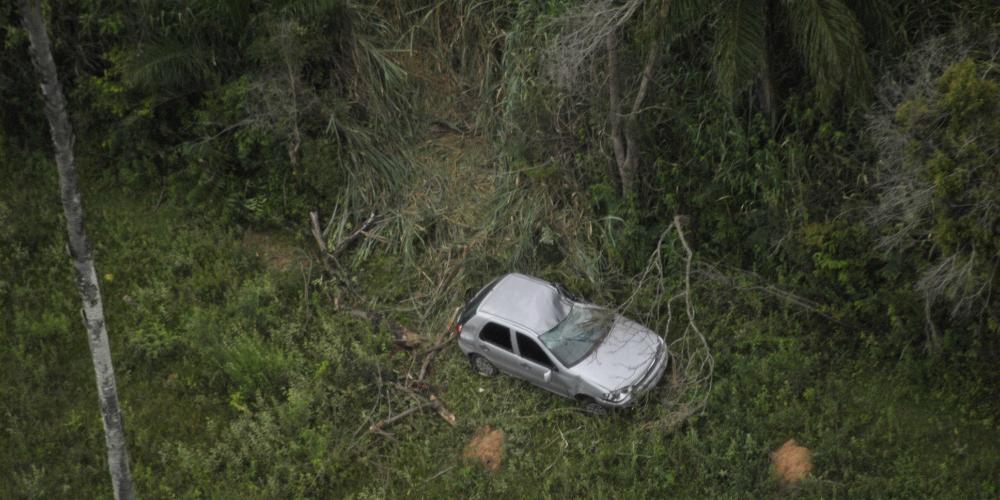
[[741, 44], [170, 63], [312, 8], [828, 36], [876, 18], [685, 16]]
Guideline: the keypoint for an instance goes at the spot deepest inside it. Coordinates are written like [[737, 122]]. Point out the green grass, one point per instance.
[[234, 384]]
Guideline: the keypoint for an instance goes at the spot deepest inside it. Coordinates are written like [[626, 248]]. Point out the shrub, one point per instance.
[[938, 138]]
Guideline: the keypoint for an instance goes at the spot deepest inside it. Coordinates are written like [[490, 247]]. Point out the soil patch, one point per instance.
[[791, 462], [275, 253], [486, 447]]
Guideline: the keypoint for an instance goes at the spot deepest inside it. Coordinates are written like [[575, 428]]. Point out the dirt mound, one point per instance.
[[792, 462], [486, 447]]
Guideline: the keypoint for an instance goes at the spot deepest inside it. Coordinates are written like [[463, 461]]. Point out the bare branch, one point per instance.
[[581, 32]]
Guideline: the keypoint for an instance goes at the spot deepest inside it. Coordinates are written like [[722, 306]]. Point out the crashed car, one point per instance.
[[535, 330]]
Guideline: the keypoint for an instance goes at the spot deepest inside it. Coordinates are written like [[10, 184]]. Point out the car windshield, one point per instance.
[[578, 333]]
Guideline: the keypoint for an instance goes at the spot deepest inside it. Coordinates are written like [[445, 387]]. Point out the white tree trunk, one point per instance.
[[79, 245]]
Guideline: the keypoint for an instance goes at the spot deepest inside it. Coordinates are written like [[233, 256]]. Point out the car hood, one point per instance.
[[622, 358]]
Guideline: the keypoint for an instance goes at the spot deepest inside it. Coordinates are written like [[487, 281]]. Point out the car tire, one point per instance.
[[592, 407], [483, 366]]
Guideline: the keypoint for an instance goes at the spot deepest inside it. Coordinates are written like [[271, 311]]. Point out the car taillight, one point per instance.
[[458, 328]]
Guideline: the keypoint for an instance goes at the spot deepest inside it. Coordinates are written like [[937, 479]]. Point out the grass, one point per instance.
[[236, 382]]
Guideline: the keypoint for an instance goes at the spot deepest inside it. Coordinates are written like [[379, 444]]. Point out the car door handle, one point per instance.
[[485, 349], [525, 365]]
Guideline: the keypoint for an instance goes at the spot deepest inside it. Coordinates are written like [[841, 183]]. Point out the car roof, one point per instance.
[[527, 301]]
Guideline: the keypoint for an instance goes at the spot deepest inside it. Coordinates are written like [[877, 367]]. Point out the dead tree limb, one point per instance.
[[443, 410], [421, 402], [443, 340], [385, 422], [319, 234], [625, 126], [692, 363], [357, 233], [615, 113], [708, 360]]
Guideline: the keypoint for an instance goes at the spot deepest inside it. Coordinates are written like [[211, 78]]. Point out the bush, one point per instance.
[[938, 143]]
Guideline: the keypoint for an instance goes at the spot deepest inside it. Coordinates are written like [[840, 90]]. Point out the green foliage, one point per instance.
[[959, 160], [246, 369], [939, 196], [827, 36], [741, 48]]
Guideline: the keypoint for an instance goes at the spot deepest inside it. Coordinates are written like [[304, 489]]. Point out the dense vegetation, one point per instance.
[[835, 163]]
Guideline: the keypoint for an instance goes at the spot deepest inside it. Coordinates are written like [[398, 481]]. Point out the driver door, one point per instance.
[[534, 363]]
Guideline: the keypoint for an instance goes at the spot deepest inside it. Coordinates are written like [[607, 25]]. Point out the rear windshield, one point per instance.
[[472, 305]]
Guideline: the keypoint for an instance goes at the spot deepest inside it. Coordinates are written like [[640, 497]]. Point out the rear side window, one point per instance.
[[496, 335], [532, 351]]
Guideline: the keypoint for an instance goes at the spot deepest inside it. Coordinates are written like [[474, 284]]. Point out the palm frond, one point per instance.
[[312, 8], [685, 16], [876, 18], [170, 63], [741, 44], [828, 37]]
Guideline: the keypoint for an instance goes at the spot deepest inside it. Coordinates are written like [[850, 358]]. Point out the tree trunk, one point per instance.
[[615, 115], [625, 127], [79, 246], [765, 91]]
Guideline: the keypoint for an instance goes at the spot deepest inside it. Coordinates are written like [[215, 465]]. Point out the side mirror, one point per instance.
[[547, 376]]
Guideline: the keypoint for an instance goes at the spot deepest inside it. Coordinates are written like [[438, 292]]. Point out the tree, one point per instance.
[[79, 247], [624, 126], [584, 30], [826, 34], [937, 129]]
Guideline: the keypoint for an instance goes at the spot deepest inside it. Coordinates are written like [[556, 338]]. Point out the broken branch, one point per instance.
[[346, 242], [319, 234], [381, 424]]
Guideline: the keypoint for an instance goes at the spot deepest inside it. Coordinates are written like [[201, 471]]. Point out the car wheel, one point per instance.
[[593, 407], [483, 366]]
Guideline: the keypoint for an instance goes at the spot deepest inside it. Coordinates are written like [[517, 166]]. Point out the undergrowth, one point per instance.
[[250, 366], [243, 377]]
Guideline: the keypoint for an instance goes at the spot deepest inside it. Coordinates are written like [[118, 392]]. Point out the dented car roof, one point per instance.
[[527, 301]]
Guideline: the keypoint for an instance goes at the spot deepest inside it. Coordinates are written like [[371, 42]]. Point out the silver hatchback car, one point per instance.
[[536, 331]]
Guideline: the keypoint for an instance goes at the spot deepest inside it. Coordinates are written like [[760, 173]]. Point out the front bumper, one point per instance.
[[644, 384]]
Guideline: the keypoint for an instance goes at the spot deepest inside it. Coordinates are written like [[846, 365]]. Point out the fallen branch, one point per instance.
[[712, 272], [443, 340], [381, 424], [442, 410], [319, 234], [422, 402], [417, 383], [346, 242], [692, 364], [689, 307]]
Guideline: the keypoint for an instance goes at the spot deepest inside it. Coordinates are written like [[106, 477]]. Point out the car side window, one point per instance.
[[532, 351], [496, 335]]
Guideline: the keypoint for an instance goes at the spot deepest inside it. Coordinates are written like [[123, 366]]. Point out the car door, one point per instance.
[[496, 346], [533, 364]]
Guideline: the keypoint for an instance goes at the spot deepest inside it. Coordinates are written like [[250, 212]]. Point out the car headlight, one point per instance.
[[619, 395]]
